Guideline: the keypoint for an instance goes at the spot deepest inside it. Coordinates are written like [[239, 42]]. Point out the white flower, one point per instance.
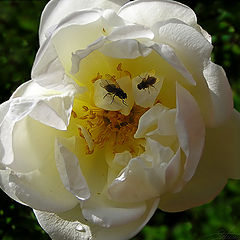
[[125, 113]]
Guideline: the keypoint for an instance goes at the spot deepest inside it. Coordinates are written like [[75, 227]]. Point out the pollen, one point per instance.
[[108, 128]]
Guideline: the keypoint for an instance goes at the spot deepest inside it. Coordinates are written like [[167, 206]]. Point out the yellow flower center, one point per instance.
[[109, 127], [106, 115]]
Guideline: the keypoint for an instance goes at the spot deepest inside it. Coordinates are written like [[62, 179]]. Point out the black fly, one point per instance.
[[146, 82], [114, 90]]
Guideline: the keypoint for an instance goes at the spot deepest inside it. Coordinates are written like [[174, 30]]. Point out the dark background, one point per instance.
[[220, 219]]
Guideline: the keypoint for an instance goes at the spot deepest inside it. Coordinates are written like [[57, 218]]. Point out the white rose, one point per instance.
[[125, 113]]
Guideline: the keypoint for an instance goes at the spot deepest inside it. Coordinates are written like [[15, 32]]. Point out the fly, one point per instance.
[[114, 90], [147, 82]]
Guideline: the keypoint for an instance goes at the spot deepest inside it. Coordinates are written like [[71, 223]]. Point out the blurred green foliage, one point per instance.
[[219, 219]]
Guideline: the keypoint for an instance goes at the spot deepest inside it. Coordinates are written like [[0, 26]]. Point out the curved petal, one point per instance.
[[125, 48], [48, 71], [220, 160], [32, 99], [146, 97], [160, 10], [190, 130], [80, 54], [134, 183], [56, 10], [144, 176], [4, 185], [221, 93], [103, 212], [189, 45], [109, 102], [158, 118], [41, 189], [68, 37], [132, 31], [70, 172], [223, 145], [194, 51], [32, 176], [167, 53], [71, 225]]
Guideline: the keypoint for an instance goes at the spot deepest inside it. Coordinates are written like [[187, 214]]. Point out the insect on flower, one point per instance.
[[114, 90], [147, 82]]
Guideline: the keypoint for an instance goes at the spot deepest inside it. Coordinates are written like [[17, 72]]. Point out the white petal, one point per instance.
[[126, 48], [148, 122], [71, 225], [4, 185], [130, 32], [219, 161], [4, 108], [70, 172], [105, 213], [110, 20], [133, 185], [189, 45], [144, 176], [41, 189], [190, 129], [119, 162], [173, 172], [48, 71], [57, 111], [32, 144], [34, 178], [146, 97], [68, 37], [221, 93], [56, 10], [148, 12], [105, 100], [167, 53], [222, 146], [194, 51], [159, 153], [56, 105], [16, 112], [80, 54]]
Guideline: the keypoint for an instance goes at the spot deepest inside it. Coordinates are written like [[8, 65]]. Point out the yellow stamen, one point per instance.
[[110, 127]]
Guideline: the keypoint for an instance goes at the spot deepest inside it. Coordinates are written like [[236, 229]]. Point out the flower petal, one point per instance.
[[108, 101], [133, 184], [189, 45], [167, 53], [80, 54], [221, 93], [157, 118], [194, 51], [173, 172], [225, 153], [146, 97], [190, 129], [144, 176], [105, 213], [68, 37], [56, 10], [132, 31], [148, 12], [126, 48], [34, 99], [71, 225], [70, 172], [219, 161], [32, 175]]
